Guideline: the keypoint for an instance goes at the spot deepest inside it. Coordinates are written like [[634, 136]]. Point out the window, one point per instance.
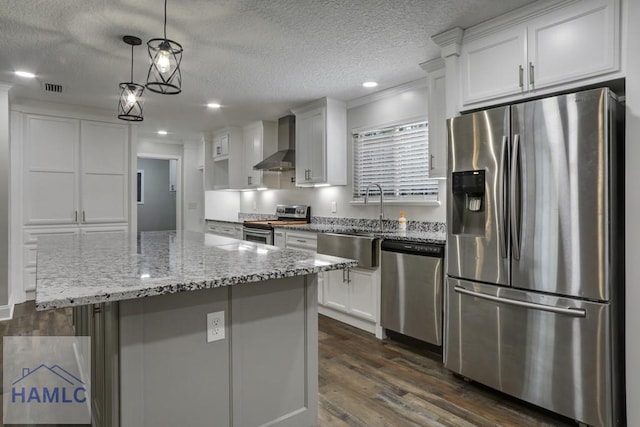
[[396, 158]]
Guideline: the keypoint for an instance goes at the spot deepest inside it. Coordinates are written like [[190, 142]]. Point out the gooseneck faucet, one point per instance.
[[366, 200]]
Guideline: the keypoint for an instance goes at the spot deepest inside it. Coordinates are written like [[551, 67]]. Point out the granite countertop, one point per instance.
[[433, 237], [88, 269]]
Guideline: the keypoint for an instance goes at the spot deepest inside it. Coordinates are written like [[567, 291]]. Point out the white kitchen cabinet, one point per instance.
[[259, 142], [493, 66], [226, 229], [74, 171], [437, 117], [50, 170], [30, 245], [304, 241], [352, 291], [321, 143], [279, 238], [575, 43], [221, 146], [224, 171], [104, 180], [75, 180]]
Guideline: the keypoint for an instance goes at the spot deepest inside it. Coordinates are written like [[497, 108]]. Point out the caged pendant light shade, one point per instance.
[[164, 73], [130, 103]]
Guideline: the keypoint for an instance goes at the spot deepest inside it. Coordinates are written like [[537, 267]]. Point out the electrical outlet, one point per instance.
[[215, 326], [334, 207]]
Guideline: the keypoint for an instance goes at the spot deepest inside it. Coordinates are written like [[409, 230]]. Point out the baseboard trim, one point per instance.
[[6, 312]]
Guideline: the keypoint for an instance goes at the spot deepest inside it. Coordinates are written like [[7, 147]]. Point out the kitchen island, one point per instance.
[[146, 300]]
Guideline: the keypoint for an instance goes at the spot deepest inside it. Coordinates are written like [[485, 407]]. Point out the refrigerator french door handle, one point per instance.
[[514, 196], [574, 312], [501, 198]]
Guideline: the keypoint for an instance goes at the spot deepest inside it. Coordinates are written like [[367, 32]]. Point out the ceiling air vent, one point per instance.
[[52, 87]]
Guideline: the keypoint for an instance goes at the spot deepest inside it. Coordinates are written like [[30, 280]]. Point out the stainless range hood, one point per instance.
[[285, 158]]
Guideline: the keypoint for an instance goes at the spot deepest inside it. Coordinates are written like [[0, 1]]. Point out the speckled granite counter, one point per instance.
[[88, 269], [434, 237]]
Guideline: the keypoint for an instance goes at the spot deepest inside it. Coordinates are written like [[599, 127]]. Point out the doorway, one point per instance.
[[158, 193]]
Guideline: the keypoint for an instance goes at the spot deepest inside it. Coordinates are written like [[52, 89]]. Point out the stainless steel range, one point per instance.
[[261, 230]]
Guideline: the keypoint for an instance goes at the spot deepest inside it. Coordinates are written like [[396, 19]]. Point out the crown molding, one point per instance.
[[386, 93], [433, 65], [5, 87], [450, 41]]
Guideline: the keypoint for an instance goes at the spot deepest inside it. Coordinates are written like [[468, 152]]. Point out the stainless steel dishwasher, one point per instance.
[[412, 289]]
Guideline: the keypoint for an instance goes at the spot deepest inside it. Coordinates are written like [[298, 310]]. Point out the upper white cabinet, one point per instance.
[[321, 143], [493, 66], [437, 117], [51, 173], [568, 44], [223, 163], [74, 171], [221, 145], [259, 142], [103, 182]]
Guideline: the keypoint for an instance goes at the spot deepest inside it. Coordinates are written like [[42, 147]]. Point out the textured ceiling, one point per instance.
[[258, 58]]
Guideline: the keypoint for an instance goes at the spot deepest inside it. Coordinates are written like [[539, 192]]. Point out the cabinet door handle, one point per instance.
[[218, 150], [531, 74], [248, 180], [97, 309], [75, 218], [348, 276], [84, 217], [431, 162], [343, 276], [521, 76]]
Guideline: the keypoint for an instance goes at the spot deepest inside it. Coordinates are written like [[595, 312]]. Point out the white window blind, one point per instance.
[[396, 158]]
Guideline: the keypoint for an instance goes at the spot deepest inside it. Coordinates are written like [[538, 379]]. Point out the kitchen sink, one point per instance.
[[362, 247]]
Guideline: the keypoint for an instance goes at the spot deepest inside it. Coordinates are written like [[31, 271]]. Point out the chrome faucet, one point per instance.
[[366, 200]]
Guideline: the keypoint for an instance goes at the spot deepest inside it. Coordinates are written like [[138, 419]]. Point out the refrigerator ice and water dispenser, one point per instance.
[[468, 190]]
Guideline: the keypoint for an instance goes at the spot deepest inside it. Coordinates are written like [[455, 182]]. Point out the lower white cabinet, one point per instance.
[[352, 291], [225, 229], [30, 247], [279, 238], [303, 241]]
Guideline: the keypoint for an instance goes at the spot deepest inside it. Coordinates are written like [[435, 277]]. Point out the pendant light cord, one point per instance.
[[165, 19], [132, 63]]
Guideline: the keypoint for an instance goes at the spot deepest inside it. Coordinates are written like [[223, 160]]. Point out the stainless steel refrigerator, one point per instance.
[[534, 289]]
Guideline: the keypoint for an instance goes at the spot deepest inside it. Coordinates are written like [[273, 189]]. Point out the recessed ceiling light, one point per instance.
[[162, 132], [370, 84], [25, 74], [213, 105]]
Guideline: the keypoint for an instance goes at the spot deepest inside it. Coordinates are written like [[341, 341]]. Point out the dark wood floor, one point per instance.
[[364, 381], [367, 382]]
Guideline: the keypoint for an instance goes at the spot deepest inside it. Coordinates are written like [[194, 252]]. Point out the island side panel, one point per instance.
[[170, 374], [275, 352]]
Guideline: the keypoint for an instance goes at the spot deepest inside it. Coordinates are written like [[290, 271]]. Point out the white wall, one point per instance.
[[632, 207], [193, 194], [398, 107]]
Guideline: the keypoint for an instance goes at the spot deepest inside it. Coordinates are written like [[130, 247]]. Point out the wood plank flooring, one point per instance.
[[365, 382]]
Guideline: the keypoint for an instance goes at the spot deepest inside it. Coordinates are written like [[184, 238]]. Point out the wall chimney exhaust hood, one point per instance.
[[285, 158]]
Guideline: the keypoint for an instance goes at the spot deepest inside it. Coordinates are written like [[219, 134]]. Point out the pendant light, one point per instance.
[[130, 104], [164, 73]]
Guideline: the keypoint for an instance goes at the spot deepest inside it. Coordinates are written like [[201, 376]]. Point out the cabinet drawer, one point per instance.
[[306, 242], [31, 235]]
